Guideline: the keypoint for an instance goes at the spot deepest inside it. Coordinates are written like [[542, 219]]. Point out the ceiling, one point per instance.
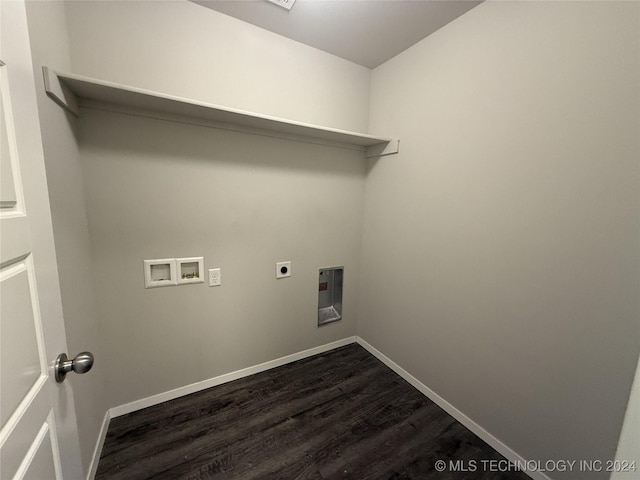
[[367, 32]]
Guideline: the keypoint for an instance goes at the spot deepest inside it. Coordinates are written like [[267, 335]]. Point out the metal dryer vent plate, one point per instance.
[[330, 281]]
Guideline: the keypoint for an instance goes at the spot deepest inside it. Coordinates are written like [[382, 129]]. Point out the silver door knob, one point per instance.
[[81, 363]]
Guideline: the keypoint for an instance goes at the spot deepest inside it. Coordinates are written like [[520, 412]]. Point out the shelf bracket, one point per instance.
[[382, 149], [59, 93]]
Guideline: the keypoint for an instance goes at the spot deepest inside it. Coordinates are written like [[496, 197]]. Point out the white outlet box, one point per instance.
[[283, 269], [215, 277], [160, 273]]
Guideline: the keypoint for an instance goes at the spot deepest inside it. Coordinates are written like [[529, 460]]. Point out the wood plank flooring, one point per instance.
[[338, 415]]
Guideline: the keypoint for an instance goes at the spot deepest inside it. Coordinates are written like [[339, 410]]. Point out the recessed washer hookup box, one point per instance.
[[330, 281]]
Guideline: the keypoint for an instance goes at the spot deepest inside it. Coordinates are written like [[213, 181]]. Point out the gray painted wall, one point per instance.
[[507, 228], [181, 48], [156, 189], [49, 44]]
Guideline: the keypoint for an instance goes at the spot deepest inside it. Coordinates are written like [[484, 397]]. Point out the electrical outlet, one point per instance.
[[283, 269], [215, 277]]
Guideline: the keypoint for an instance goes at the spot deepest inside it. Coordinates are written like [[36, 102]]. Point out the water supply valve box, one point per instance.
[[190, 270]]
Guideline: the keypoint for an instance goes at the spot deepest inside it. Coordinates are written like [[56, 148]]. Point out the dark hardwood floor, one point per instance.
[[342, 414]]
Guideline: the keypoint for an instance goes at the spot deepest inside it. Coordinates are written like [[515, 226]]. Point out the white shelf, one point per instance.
[[73, 92]]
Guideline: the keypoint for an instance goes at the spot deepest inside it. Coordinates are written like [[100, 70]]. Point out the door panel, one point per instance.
[[10, 184], [20, 344], [34, 409], [7, 189], [21, 430], [39, 462]]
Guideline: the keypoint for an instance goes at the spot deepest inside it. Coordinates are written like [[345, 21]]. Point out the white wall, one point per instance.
[[49, 43], [184, 49], [627, 466], [507, 228], [157, 189]]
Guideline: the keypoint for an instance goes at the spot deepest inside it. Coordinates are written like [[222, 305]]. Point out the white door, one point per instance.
[[38, 431]]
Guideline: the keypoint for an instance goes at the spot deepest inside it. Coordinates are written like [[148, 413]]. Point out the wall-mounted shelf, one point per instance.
[[73, 92]]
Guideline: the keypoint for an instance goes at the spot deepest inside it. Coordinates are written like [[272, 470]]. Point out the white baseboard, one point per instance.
[[487, 437], [227, 377], [97, 451]]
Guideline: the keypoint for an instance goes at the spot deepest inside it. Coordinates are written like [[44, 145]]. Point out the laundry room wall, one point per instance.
[[181, 48], [158, 189], [507, 228]]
